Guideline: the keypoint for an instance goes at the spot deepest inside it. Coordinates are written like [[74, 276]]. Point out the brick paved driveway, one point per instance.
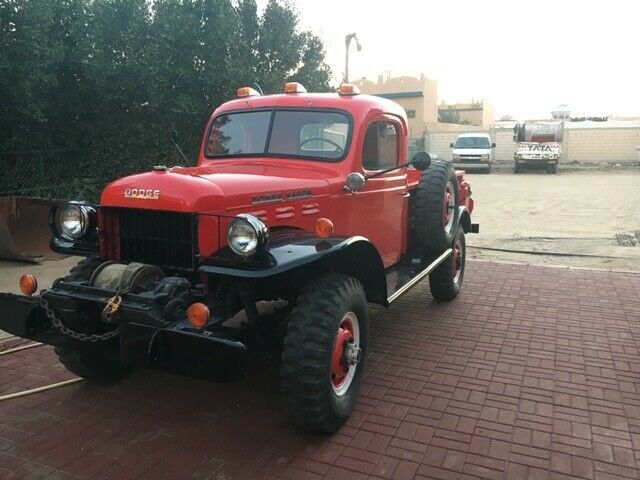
[[532, 372]]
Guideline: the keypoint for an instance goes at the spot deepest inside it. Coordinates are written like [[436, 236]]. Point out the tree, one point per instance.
[[27, 61], [285, 53], [106, 80], [313, 73], [448, 116]]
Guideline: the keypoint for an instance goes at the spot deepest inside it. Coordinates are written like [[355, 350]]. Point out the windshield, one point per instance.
[[316, 134], [472, 142]]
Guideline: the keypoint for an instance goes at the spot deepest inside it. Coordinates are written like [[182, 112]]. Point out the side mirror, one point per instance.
[[451, 145], [421, 161], [355, 182], [493, 145]]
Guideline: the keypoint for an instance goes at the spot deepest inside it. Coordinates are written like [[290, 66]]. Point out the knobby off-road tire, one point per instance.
[[96, 362], [318, 327], [84, 269], [434, 221], [445, 281]]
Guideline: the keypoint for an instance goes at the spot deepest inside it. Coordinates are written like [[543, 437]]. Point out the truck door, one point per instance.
[[381, 206]]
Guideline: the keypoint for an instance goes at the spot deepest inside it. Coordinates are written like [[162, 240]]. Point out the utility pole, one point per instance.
[[347, 43]]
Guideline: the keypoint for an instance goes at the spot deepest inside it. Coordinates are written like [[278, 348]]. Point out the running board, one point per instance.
[[403, 276]]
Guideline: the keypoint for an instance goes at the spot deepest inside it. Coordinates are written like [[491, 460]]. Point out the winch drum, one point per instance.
[[133, 277]]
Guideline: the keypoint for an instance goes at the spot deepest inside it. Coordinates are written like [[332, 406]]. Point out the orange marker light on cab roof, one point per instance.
[[294, 87], [28, 284], [348, 89], [247, 92], [324, 228], [198, 314]]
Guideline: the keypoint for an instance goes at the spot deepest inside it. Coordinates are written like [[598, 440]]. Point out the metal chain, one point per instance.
[[82, 337]]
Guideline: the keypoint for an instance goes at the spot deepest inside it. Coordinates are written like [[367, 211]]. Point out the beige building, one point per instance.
[[418, 97], [478, 113]]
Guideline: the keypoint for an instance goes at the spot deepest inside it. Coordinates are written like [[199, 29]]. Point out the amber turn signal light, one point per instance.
[[247, 92], [294, 87], [28, 284], [347, 89], [324, 228], [198, 314]]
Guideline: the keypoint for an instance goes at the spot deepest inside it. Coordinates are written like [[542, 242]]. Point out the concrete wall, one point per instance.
[[601, 145], [616, 144], [505, 146]]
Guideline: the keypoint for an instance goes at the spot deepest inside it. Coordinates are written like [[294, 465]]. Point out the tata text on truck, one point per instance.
[[538, 144], [306, 201]]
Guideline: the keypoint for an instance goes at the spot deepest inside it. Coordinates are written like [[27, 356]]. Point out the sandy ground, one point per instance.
[[577, 219]]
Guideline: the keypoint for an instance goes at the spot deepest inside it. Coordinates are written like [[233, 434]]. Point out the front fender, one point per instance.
[[292, 249], [464, 219]]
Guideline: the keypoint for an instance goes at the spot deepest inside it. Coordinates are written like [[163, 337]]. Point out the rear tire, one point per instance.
[[445, 281], [435, 207], [97, 362], [325, 328]]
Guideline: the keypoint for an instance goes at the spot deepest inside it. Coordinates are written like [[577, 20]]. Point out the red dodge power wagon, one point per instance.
[[305, 201]]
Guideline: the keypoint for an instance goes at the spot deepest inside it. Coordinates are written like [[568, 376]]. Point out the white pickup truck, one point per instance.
[[538, 144]]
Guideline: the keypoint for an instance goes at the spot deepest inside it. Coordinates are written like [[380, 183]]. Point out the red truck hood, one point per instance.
[[218, 187]]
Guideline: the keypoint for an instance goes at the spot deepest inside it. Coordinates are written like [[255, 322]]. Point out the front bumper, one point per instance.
[[143, 340], [539, 161], [471, 165]]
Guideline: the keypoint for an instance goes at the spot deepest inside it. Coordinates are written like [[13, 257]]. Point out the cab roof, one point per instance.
[[358, 105]]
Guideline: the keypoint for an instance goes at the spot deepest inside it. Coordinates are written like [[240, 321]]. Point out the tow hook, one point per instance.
[[352, 354]]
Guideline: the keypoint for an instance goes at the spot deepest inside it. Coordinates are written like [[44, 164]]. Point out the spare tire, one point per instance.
[[434, 210]]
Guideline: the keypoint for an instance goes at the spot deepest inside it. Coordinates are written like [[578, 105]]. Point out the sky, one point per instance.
[[525, 57]]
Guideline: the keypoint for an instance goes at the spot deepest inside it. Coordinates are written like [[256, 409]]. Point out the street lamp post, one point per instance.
[[347, 43]]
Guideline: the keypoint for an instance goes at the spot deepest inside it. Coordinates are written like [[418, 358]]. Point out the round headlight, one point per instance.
[[247, 235], [72, 221]]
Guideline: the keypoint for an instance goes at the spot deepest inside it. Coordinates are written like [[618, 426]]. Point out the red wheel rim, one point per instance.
[[347, 338], [338, 368], [446, 213], [448, 205], [456, 261]]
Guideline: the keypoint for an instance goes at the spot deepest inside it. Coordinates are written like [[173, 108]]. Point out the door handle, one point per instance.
[[406, 194]]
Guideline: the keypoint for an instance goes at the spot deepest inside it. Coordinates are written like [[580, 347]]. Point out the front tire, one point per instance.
[[98, 363], [446, 280], [324, 353]]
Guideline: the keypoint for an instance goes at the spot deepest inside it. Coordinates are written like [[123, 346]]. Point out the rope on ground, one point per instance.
[[21, 347], [553, 254], [24, 393]]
